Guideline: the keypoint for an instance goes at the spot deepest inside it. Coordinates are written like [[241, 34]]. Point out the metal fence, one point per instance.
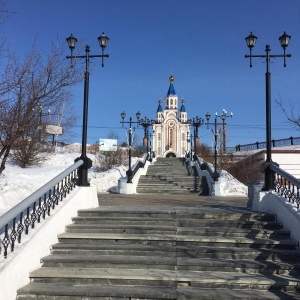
[[262, 145], [286, 185], [23, 217]]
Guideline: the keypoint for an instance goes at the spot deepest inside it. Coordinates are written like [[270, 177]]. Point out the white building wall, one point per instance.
[[288, 160]]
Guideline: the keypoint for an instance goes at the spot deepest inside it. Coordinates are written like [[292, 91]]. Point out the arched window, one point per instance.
[[171, 137]]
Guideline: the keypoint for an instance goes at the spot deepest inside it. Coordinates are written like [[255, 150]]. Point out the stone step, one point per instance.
[[110, 261], [172, 239], [150, 180], [165, 213], [194, 223], [165, 175], [116, 292], [170, 263], [169, 185], [203, 252], [203, 231], [166, 182], [162, 191], [164, 278]]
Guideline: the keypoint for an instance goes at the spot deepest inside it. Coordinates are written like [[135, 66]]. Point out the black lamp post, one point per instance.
[[196, 123], [145, 123], [215, 132], [224, 116], [284, 41], [207, 116], [130, 122], [189, 140], [103, 41], [150, 155]]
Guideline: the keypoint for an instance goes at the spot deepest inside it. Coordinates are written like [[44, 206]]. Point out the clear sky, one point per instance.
[[201, 42]]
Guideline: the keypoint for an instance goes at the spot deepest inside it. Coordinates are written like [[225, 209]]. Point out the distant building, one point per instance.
[[171, 130]]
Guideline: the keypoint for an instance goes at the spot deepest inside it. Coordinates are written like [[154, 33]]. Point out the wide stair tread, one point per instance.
[[116, 292], [168, 253]]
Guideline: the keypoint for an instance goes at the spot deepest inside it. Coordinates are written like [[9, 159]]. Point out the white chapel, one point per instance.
[[171, 128]]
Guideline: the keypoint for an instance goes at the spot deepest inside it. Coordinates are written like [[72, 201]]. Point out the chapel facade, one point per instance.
[[171, 128]]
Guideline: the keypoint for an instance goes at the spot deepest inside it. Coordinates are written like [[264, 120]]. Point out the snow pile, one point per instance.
[[230, 186], [107, 181], [17, 183]]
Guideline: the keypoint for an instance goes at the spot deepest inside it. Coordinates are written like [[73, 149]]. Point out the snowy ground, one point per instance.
[[17, 183]]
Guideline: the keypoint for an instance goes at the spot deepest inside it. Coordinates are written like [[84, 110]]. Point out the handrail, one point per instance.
[[286, 184], [34, 209], [275, 143], [139, 164], [208, 167]]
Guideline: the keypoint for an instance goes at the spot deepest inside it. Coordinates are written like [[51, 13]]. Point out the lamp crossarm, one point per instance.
[[84, 56], [271, 55], [214, 123], [128, 122]]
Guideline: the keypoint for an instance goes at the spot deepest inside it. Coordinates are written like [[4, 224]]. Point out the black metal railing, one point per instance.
[[261, 145], [139, 164], [286, 185], [23, 217]]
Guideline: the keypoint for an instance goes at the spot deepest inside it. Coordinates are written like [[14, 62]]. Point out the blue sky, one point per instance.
[[202, 43]]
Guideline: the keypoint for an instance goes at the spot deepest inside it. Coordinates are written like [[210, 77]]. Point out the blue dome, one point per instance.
[[171, 90], [182, 108], [159, 108]]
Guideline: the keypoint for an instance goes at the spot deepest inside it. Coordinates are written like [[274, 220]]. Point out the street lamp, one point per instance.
[[145, 123], [151, 136], [284, 41], [130, 122], [207, 116], [189, 140], [103, 41], [196, 123], [224, 116]]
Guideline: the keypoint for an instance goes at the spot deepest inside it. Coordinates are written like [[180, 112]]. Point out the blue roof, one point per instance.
[[159, 108], [171, 90], [182, 108]]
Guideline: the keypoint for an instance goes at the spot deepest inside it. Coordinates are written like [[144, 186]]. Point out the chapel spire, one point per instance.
[[171, 98], [171, 90]]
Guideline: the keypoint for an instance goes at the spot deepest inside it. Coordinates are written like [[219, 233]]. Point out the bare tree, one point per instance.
[[110, 160], [113, 135], [246, 168], [4, 14], [292, 118], [27, 84]]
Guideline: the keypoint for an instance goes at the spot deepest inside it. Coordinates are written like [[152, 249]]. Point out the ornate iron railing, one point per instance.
[[286, 185], [23, 217], [261, 145]]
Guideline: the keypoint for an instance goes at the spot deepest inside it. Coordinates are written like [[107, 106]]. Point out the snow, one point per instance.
[[230, 186], [17, 183]]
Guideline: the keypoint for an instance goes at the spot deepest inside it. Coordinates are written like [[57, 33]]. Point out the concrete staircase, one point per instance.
[[164, 252], [171, 175]]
